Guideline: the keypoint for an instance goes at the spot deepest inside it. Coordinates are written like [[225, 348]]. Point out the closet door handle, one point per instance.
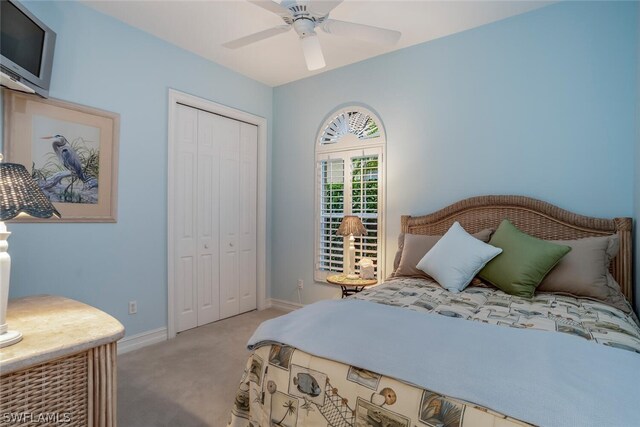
[[206, 246]]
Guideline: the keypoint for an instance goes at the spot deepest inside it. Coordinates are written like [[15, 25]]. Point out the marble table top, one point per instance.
[[342, 280], [53, 327]]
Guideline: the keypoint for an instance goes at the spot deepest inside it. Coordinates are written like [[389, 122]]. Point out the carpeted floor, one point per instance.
[[190, 380]]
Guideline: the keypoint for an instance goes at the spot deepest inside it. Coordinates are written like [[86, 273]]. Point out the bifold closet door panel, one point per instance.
[[247, 233], [208, 218], [185, 226], [229, 141], [215, 211]]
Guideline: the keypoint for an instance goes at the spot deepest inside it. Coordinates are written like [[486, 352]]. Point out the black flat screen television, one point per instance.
[[26, 49]]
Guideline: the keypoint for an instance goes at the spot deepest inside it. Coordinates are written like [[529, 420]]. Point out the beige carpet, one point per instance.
[[190, 380]]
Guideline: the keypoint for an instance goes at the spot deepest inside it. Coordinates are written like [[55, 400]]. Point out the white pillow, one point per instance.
[[457, 258]]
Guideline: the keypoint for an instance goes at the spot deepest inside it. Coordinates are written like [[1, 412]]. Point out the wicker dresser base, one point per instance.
[[77, 390]]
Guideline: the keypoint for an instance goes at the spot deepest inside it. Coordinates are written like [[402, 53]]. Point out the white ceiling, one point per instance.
[[202, 26]]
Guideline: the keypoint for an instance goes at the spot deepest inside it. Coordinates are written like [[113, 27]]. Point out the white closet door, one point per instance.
[[247, 237], [185, 214], [238, 204], [215, 217], [229, 219], [208, 206]]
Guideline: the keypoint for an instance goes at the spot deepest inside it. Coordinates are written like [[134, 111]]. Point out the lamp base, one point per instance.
[[10, 338]]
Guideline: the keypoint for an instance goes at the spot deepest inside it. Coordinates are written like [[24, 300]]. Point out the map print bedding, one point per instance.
[[283, 386], [582, 317]]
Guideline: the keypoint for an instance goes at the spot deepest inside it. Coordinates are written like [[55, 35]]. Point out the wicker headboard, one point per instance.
[[534, 217]]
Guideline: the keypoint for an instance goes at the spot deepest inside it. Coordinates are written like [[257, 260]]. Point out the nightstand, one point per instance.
[[350, 286]]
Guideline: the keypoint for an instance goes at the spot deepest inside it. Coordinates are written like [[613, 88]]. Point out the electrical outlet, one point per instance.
[[300, 284], [133, 307]]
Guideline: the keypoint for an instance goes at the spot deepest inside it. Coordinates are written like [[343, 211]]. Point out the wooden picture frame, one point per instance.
[[71, 151]]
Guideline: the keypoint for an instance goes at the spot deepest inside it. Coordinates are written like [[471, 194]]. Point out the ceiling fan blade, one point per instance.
[[312, 52], [252, 38], [363, 32], [272, 6], [323, 7]]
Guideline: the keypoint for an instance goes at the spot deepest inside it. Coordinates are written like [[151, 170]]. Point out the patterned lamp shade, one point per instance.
[[351, 224], [19, 193]]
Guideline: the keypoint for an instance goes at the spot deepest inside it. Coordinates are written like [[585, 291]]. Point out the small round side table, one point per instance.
[[350, 286]]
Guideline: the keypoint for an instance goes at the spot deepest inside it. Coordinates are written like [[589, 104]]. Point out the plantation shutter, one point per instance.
[[331, 192], [347, 184], [364, 204]]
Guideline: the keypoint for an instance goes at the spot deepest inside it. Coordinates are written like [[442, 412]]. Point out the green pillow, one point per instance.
[[524, 260]]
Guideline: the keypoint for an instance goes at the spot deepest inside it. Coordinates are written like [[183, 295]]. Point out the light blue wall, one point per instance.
[[637, 170], [541, 104], [104, 63]]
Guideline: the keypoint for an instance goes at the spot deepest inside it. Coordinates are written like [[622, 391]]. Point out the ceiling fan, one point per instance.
[[304, 16]]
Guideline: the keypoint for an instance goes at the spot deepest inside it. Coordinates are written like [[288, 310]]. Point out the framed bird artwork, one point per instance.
[[70, 150]]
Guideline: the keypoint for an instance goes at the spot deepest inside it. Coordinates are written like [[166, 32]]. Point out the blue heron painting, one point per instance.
[[67, 156], [67, 171]]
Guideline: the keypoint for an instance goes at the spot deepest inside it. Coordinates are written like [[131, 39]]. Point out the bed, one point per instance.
[[410, 353]]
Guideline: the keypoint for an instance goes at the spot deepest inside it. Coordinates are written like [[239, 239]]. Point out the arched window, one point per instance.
[[349, 181]]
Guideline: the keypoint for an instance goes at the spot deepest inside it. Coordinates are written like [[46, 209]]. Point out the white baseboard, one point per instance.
[[283, 305], [135, 342], [138, 341]]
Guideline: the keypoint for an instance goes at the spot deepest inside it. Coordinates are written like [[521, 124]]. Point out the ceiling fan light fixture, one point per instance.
[[313, 52], [305, 16]]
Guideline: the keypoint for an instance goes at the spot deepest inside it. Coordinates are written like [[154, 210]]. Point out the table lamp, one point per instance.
[[19, 195], [351, 226]]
